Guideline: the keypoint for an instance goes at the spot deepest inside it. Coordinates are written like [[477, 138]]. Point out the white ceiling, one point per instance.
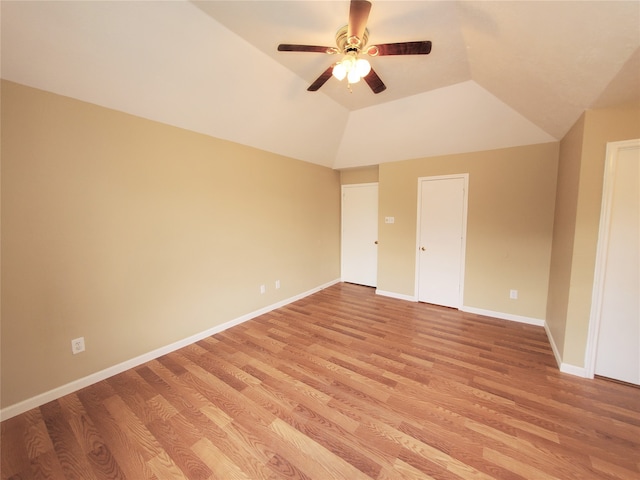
[[500, 73]]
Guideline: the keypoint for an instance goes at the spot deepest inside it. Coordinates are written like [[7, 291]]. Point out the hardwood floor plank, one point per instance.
[[219, 418], [45, 466], [142, 441], [548, 458], [425, 465], [236, 449], [326, 464], [221, 465], [306, 418], [89, 438], [510, 463], [121, 445], [334, 440], [72, 459], [286, 469], [434, 455], [179, 451], [403, 471], [251, 447], [14, 452], [342, 384], [163, 467], [603, 467], [36, 436]]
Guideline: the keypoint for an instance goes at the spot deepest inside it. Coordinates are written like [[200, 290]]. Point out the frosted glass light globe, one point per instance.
[[339, 71], [363, 67]]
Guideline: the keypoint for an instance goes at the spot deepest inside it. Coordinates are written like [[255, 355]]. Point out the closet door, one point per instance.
[[441, 239], [618, 340], [359, 252]]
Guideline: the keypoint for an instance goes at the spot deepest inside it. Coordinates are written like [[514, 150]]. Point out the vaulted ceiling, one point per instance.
[[500, 73]]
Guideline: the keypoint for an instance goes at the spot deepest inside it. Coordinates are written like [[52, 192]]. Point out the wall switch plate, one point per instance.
[[263, 289], [389, 219], [77, 345], [513, 294], [277, 283]]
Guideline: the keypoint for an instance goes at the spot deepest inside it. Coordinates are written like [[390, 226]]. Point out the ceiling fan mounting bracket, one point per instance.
[[350, 44]]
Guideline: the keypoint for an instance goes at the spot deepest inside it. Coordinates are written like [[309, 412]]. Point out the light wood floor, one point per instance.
[[341, 385]]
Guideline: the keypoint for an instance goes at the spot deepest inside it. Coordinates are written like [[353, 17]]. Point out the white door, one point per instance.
[[360, 234], [441, 239], [618, 341]]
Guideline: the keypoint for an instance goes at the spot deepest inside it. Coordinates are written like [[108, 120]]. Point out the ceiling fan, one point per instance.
[[351, 40]]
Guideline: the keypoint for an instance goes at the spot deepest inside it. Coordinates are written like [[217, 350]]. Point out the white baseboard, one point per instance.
[[74, 386], [504, 316], [564, 367], [399, 296], [573, 370], [554, 347]]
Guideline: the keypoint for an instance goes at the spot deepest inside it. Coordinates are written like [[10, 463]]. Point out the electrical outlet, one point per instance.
[[263, 289], [513, 294], [77, 345], [277, 283]]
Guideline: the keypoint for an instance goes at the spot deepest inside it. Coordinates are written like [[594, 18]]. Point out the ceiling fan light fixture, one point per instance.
[[349, 61], [343, 67], [351, 41], [353, 76], [340, 71], [351, 67], [363, 67]]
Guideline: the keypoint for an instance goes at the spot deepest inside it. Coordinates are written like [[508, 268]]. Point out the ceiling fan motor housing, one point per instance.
[[350, 44]]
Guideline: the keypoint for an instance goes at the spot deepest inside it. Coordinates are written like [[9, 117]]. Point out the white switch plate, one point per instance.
[[513, 294], [263, 289], [389, 219]]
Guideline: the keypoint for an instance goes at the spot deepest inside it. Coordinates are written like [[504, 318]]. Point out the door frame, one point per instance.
[[465, 201], [613, 149]]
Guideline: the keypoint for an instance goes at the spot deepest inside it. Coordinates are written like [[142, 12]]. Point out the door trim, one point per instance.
[[613, 149], [465, 199]]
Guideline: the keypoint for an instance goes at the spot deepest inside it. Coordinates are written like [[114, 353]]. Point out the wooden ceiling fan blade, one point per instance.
[[358, 17], [288, 47], [401, 48], [374, 81], [321, 80]]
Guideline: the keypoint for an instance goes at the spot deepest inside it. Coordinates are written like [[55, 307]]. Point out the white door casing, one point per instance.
[[359, 245], [613, 345], [441, 239]]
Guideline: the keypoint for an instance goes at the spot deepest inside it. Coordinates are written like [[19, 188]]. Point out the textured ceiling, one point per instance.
[[500, 74]]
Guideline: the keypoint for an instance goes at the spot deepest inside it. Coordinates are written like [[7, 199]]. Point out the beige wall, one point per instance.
[[600, 127], [563, 232], [509, 226], [136, 235], [359, 175]]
